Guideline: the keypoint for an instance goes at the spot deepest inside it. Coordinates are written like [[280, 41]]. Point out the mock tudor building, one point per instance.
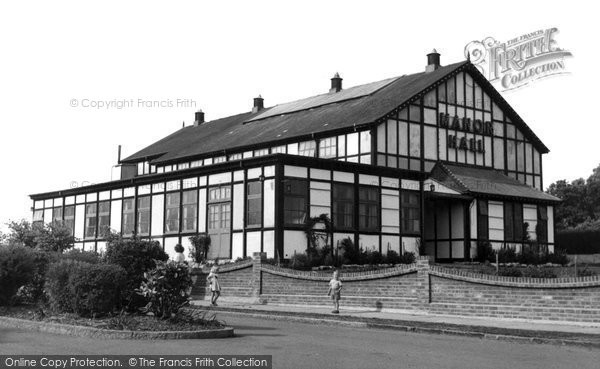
[[435, 161]]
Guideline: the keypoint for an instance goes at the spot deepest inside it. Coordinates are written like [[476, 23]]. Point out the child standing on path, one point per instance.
[[335, 288], [215, 288]]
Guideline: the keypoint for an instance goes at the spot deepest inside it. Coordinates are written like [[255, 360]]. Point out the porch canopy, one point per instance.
[[484, 183]]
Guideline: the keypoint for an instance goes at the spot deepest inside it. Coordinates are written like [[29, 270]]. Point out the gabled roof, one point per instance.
[[475, 181], [350, 108]]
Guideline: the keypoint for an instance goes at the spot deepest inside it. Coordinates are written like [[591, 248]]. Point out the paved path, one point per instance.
[[300, 345]]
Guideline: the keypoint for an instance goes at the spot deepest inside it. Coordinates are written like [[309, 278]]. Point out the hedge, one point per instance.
[[579, 242]]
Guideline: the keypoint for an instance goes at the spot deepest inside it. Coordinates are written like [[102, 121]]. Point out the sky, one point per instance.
[[218, 55]]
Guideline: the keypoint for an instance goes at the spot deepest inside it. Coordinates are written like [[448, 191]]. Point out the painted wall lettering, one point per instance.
[[466, 124]]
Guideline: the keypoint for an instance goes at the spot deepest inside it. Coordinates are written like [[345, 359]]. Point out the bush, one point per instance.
[[80, 255], [200, 246], [136, 257], [582, 242], [57, 283], [96, 289], [166, 289], [392, 257], [372, 257], [300, 262], [507, 255], [510, 272], [407, 258], [33, 292], [559, 257], [534, 272], [17, 268], [351, 255], [485, 252]]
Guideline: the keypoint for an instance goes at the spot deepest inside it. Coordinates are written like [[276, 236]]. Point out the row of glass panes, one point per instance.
[[252, 173], [352, 147], [461, 90]]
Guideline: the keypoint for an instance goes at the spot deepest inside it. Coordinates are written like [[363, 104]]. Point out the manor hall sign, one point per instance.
[[476, 126]]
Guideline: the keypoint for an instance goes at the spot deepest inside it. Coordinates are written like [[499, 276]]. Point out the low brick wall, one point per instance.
[[416, 287], [391, 288], [235, 280], [460, 293]]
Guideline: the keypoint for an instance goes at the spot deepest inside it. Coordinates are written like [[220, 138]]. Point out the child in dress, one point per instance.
[[335, 288], [215, 288]]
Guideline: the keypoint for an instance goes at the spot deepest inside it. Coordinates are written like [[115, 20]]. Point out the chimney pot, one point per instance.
[[336, 83], [199, 118], [433, 61], [258, 104]]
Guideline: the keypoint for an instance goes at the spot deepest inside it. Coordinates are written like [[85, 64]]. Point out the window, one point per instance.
[[220, 159], [343, 205], [327, 147], [128, 217], [294, 201], [38, 217], [542, 224], [513, 221], [261, 152], [219, 193], [90, 220], [482, 220], [172, 213], [307, 148], [190, 210], [365, 142], [183, 166], [254, 205], [57, 215], [143, 215], [103, 217], [368, 208], [411, 212], [69, 217], [278, 149], [237, 156]]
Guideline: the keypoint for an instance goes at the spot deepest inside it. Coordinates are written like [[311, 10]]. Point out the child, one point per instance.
[[179, 257], [335, 287], [215, 288]]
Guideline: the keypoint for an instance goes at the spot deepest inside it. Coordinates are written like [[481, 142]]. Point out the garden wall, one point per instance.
[[417, 287]]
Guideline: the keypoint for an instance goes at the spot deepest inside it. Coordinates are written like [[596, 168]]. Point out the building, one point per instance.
[[435, 160]]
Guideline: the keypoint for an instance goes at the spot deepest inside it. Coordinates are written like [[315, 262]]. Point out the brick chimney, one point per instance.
[[433, 61], [199, 118], [259, 104], [336, 83]]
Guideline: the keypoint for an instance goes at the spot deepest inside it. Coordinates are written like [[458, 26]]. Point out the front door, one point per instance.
[[219, 222]]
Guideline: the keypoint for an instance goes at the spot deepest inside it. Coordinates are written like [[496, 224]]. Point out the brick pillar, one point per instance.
[[257, 259], [423, 275]]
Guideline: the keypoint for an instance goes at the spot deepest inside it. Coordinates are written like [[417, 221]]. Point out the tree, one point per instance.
[[48, 237]]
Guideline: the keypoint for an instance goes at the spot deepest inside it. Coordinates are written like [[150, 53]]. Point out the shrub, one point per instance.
[[96, 289], [57, 283], [200, 246], [351, 254], [392, 257], [510, 272], [33, 292], [534, 272], [559, 257], [299, 261], [80, 255], [485, 251], [372, 257], [579, 241], [166, 289], [407, 258], [17, 268], [136, 257], [507, 255]]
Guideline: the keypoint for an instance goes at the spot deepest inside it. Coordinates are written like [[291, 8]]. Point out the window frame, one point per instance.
[[369, 226], [289, 196]]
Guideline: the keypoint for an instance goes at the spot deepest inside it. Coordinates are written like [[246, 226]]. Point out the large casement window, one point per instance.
[[307, 148], [513, 221], [411, 212], [190, 210], [172, 213], [90, 220], [57, 215], [483, 229], [343, 206], [368, 208], [542, 224], [219, 209], [103, 217], [254, 204], [295, 201], [143, 216], [328, 147], [38, 217], [128, 217], [69, 218]]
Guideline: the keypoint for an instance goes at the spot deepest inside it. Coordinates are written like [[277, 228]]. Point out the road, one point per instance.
[[302, 345]]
